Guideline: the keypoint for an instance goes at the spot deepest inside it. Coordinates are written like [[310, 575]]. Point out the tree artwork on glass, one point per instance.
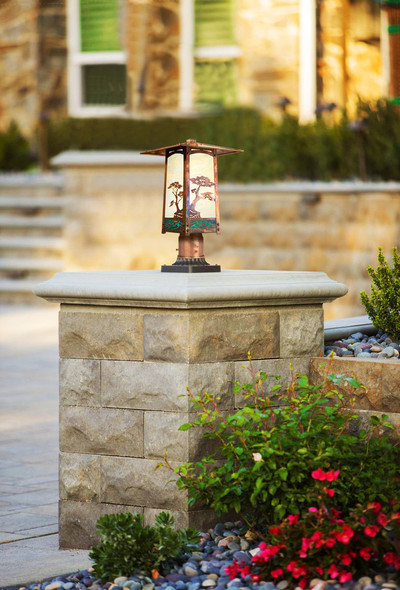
[[176, 189], [201, 181]]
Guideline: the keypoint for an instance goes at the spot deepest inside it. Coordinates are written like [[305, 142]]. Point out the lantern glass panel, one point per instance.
[[202, 192], [174, 201]]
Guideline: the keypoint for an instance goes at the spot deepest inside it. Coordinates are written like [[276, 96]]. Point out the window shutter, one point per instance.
[[214, 23], [100, 25]]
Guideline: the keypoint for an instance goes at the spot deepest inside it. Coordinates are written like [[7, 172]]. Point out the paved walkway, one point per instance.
[[29, 449]]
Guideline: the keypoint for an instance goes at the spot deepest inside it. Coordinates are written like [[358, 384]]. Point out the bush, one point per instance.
[[272, 151], [268, 450], [383, 305], [128, 546], [320, 544], [14, 150]]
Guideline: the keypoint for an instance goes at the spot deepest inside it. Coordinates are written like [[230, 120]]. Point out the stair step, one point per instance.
[[33, 242], [31, 264], [17, 286], [12, 221], [17, 202]]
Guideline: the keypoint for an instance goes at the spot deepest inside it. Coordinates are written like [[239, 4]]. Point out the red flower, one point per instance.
[[293, 518], [389, 558], [376, 507], [346, 534], [277, 573], [332, 475], [330, 492], [318, 474], [382, 519], [330, 542], [333, 571], [371, 530], [303, 583], [275, 530], [366, 553], [345, 577], [346, 559], [255, 578], [316, 538], [245, 571], [319, 571]]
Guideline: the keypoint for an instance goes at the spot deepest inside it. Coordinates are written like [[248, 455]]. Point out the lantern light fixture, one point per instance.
[[191, 204]]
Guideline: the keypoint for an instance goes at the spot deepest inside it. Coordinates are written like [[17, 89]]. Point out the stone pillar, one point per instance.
[[130, 343]]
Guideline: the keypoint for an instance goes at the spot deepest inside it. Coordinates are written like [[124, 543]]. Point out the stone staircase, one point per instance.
[[31, 233]]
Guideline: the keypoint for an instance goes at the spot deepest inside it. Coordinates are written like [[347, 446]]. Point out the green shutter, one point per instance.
[[216, 83], [104, 85], [100, 25], [214, 22]]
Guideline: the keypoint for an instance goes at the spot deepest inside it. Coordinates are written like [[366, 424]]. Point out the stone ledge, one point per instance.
[[73, 159], [229, 288]]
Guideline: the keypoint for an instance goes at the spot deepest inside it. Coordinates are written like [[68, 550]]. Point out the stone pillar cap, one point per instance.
[[151, 288]]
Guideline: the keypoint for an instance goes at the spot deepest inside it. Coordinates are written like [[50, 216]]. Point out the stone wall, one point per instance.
[[381, 379], [32, 62]]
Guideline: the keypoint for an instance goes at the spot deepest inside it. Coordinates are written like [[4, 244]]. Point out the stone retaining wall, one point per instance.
[[381, 379]]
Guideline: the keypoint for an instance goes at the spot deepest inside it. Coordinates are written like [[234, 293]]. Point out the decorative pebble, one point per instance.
[[282, 585], [54, 585], [365, 581], [209, 583]]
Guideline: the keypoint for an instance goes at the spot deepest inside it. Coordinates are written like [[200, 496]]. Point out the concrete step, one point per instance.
[[31, 243], [40, 221], [30, 264], [31, 203], [20, 290]]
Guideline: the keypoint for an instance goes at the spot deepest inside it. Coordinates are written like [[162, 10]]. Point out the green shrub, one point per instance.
[[14, 150], [269, 450], [383, 305], [272, 150], [128, 546]]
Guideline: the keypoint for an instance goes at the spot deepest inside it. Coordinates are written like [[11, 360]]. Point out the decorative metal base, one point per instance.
[[190, 265]]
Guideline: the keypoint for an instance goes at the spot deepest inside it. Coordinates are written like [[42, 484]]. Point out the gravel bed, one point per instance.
[[380, 346], [204, 569]]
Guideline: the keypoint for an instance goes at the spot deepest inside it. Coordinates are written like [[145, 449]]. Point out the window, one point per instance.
[[215, 53], [97, 70]]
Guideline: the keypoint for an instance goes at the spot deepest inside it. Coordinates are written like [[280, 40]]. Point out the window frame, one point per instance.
[[77, 59]]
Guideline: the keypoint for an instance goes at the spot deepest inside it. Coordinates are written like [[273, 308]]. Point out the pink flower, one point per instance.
[[276, 573], [319, 571], [318, 474], [293, 518], [332, 475], [316, 538], [330, 542], [313, 509], [371, 530]]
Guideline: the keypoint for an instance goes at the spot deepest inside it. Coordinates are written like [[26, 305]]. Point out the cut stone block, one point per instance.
[[279, 367], [136, 483], [101, 431], [99, 333], [162, 386], [301, 331], [230, 335], [79, 477], [77, 522], [79, 382], [166, 337], [198, 519], [162, 435]]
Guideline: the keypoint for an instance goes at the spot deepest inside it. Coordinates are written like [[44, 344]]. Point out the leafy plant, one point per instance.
[[383, 305], [127, 545], [14, 150], [321, 544], [269, 449]]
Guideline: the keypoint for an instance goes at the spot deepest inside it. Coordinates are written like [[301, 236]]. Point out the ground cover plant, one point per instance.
[[128, 545], [270, 446], [383, 305]]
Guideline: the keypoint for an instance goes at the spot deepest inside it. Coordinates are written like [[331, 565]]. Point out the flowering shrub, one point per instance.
[[281, 435], [321, 544]]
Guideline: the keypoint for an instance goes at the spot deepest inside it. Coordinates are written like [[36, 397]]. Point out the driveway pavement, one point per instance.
[[29, 449]]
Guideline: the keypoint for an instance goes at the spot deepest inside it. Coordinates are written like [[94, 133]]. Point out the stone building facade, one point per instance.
[[155, 57]]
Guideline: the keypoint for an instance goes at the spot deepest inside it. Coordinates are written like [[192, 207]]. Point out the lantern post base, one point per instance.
[[190, 265]]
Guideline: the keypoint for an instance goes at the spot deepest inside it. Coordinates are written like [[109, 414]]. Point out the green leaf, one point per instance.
[[185, 426]]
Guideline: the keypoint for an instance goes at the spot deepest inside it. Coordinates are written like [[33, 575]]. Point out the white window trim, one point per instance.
[[186, 55], [76, 59], [307, 61], [218, 52]]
